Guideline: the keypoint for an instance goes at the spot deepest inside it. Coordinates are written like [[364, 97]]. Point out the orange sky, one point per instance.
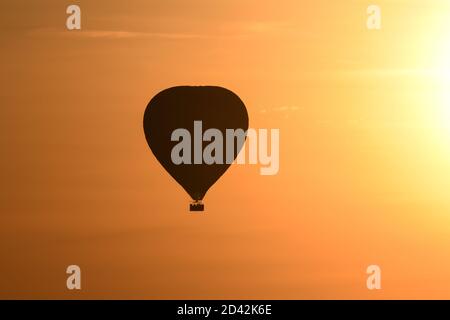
[[364, 119]]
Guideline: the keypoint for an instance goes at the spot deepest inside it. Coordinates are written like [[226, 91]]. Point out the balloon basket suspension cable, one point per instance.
[[197, 205]]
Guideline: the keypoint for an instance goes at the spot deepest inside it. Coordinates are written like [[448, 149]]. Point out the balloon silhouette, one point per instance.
[[178, 108]]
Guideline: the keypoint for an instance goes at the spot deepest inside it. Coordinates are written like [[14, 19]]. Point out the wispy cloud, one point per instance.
[[282, 109], [116, 34], [398, 72], [226, 30]]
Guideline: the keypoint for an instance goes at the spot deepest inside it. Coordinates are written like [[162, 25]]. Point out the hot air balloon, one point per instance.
[[184, 107]]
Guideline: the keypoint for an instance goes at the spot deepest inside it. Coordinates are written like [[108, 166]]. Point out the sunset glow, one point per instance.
[[363, 175]]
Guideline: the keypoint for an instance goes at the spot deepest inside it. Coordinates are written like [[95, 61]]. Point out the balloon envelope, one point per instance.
[[178, 107]]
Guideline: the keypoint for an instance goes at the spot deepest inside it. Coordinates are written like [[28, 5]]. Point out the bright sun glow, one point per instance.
[[440, 78]]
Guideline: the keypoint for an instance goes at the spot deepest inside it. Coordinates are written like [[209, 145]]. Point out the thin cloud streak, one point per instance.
[[107, 34]]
